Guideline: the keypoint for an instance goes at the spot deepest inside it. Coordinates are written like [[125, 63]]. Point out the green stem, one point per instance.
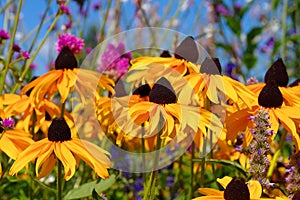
[[59, 180], [11, 44], [101, 38], [150, 193], [27, 67], [277, 153], [192, 171], [283, 29]]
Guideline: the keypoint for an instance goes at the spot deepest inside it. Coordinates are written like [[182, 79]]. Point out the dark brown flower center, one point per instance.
[[162, 92], [66, 59], [237, 190], [187, 50], [143, 90], [59, 130], [165, 54], [211, 66], [296, 196], [278, 73], [270, 96], [295, 83], [1, 128]]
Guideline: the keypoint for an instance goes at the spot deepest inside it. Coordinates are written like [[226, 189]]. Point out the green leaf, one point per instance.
[[86, 189], [249, 60], [105, 184], [234, 24], [253, 33], [274, 4], [181, 196]]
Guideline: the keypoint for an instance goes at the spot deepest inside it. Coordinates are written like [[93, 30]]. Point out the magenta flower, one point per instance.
[[4, 35], [8, 123], [16, 48], [222, 10], [25, 54], [33, 66], [96, 6], [74, 43], [115, 61], [65, 9]]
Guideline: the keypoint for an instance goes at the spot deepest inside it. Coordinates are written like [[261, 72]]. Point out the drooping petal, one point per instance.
[[47, 166], [211, 192], [255, 189], [29, 154], [66, 158]]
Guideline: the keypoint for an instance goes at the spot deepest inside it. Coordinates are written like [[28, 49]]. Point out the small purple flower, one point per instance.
[[25, 54], [4, 35], [74, 43], [33, 66], [96, 6], [88, 50], [222, 10], [68, 25], [252, 80], [65, 9], [16, 48], [8, 123], [230, 70]]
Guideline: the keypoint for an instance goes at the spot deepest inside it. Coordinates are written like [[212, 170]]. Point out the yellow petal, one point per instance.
[[210, 192], [255, 189], [66, 158], [29, 154], [44, 155], [47, 166], [224, 181]]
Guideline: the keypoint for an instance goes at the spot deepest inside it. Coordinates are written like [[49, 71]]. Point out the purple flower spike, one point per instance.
[[8, 123]]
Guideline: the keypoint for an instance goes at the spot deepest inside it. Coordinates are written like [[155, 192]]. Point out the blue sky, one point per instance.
[[32, 11]]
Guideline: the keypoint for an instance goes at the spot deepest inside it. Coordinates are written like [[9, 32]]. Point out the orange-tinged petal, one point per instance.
[[289, 125], [67, 159], [63, 86], [255, 189], [29, 154], [47, 166], [46, 151]]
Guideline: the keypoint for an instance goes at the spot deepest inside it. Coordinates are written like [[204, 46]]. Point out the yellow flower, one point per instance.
[[234, 188], [149, 68], [271, 99], [211, 84], [22, 105], [13, 142], [60, 145], [65, 78], [175, 116]]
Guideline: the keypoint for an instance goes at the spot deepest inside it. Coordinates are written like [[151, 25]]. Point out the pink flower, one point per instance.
[[33, 66], [115, 61], [74, 43], [4, 35], [65, 9], [25, 54], [16, 48], [8, 123]]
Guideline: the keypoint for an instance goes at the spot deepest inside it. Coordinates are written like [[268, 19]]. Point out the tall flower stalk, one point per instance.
[[260, 148]]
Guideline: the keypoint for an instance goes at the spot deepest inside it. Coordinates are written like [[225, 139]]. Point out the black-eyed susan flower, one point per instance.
[[21, 105], [277, 72], [211, 84], [60, 145], [280, 111], [271, 99], [12, 141], [178, 116], [183, 62], [65, 78], [234, 188]]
